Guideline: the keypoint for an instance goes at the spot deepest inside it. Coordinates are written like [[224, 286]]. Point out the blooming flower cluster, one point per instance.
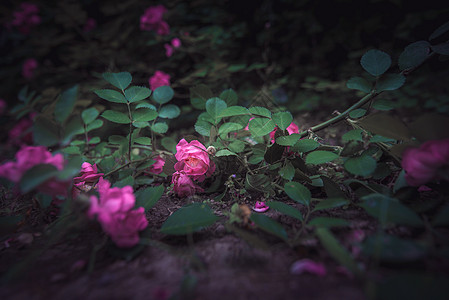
[[114, 210], [29, 68], [152, 20], [427, 163], [30, 156], [159, 79], [170, 48], [193, 164], [85, 182], [26, 18]]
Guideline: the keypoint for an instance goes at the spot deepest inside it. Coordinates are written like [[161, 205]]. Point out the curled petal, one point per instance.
[[307, 265]]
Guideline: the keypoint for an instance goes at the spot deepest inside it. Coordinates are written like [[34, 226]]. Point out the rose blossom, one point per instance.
[[193, 159], [292, 128], [26, 18], [427, 163], [260, 206], [88, 176], [307, 265], [152, 20], [158, 166], [115, 214], [159, 79], [183, 184], [169, 49], [29, 68], [30, 156]]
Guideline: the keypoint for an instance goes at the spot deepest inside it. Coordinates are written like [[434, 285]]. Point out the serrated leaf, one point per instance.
[[330, 203], [261, 126], [111, 95], [260, 111], [169, 111], [119, 80], [283, 119], [305, 145], [237, 146], [37, 175], [137, 93], [224, 152], [199, 95], [363, 165], [298, 192], [439, 31], [288, 140], [148, 197], [359, 83], [357, 113], [146, 105], [352, 135], [385, 125], [285, 209], [228, 127], [229, 96], [89, 115], [413, 55], [320, 157], [376, 62], [143, 140], [169, 144], [390, 82], [163, 94], [269, 225], [203, 127], [160, 127], [66, 102], [287, 172], [214, 106], [188, 219], [233, 111], [144, 115], [116, 117]]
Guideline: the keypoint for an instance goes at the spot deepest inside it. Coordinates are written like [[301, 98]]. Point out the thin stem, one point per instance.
[[130, 131], [127, 164]]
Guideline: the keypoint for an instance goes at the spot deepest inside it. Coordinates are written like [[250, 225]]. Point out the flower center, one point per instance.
[[192, 162]]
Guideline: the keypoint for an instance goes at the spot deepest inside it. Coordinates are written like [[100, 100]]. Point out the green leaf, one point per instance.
[[203, 127], [224, 152], [439, 31], [376, 62], [160, 127], [352, 135], [390, 82], [119, 80], [37, 175], [260, 111], [385, 125], [320, 157], [73, 127], [237, 146], [169, 111], [64, 105], [95, 125], [89, 115], [228, 127], [229, 96], [357, 113], [137, 93], [257, 182], [214, 106], [233, 111], [188, 219], [330, 203], [261, 126], [413, 55], [305, 145], [389, 209], [146, 105], [163, 94], [285, 209], [236, 67], [144, 115], [143, 140], [169, 144], [283, 119], [288, 140], [269, 225], [442, 49], [359, 83], [328, 222], [199, 95], [335, 249], [287, 172], [332, 189], [116, 117], [383, 104], [363, 165], [128, 180], [71, 168], [298, 192], [148, 197], [45, 132], [111, 96]]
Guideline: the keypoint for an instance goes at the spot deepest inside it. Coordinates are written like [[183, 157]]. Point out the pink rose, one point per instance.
[[307, 265], [21, 133], [168, 50], [260, 206], [159, 79], [292, 128], [88, 176], [114, 211], [176, 43], [183, 184], [90, 25], [152, 20], [30, 156], [158, 166], [192, 158], [427, 163], [26, 18], [29, 68]]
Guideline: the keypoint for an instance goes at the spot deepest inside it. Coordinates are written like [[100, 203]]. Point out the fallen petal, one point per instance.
[[307, 265]]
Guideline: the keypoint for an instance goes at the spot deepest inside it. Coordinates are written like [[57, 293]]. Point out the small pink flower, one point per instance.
[[307, 265], [26, 18], [90, 25], [427, 163], [159, 79], [292, 128], [84, 182], [260, 206], [192, 158], [29, 68], [158, 166], [30, 156], [183, 184], [152, 20], [176, 43], [168, 50], [3, 106]]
